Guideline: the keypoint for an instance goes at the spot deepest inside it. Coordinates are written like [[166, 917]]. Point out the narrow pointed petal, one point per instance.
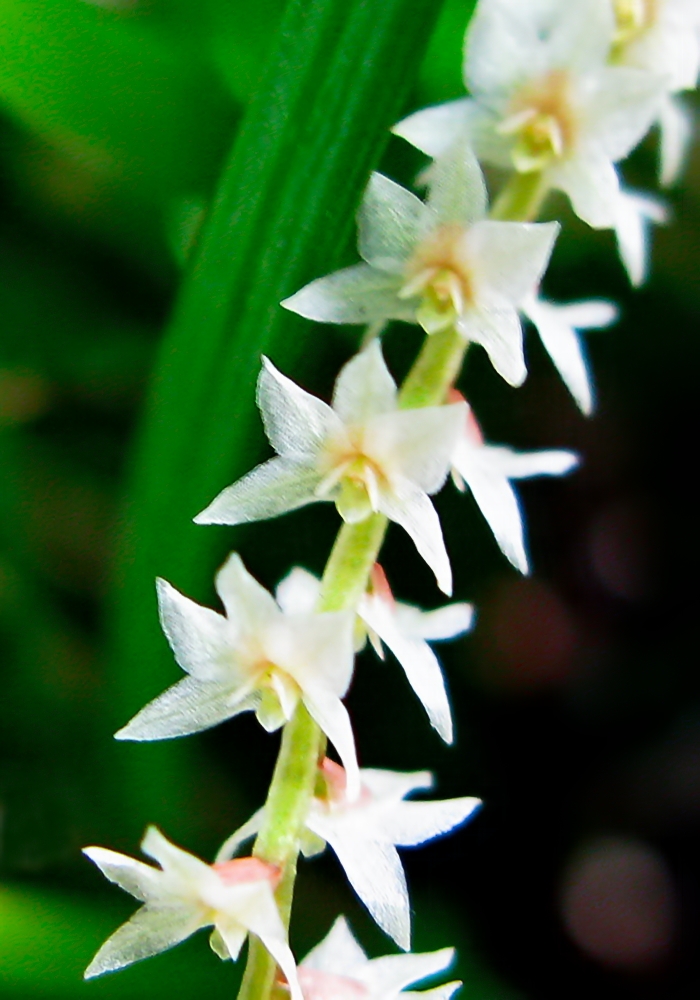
[[147, 933], [375, 872], [441, 624], [173, 859], [390, 223], [512, 256], [635, 214], [298, 592], [526, 464], [412, 823], [412, 510], [273, 488], [230, 846], [389, 974], [433, 130], [419, 663], [445, 992], [187, 707], [395, 784], [499, 505], [296, 423], [357, 294], [317, 649], [676, 127], [496, 326], [457, 188], [338, 953], [592, 184], [332, 716], [249, 607], [418, 443], [364, 387], [623, 105], [140, 880], [199, 637]]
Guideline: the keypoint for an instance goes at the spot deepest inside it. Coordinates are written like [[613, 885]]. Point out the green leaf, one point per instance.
[[338, 78]]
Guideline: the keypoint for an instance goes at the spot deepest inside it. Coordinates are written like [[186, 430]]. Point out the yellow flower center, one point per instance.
[[439, 272], [632, 18], [543, 123]]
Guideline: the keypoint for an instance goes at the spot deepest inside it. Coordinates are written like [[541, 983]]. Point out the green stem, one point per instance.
[[522, 198], [435, 370]]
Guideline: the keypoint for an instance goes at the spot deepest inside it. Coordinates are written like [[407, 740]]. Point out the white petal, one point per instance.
[[433, 130], [408, 824], [511, 257], [187, 707], [635, 213], [389, 974], [394, 785], [390, 223], [147, 933], [442, 623], [375, 872], [332, 716], [316, 650], [298, 592], [496, 326], [676, 124], [199, 637], [272, 488], [230, 846], [498, 503], [419, 663], [416, 444], [178, 865], [457, 187], [593, 187], [296, 423], [445, 992], [526, 464], [338, 953], [249, 607], [364, 388], [357, 294], [410, 507], [135, 877], [621, 107]]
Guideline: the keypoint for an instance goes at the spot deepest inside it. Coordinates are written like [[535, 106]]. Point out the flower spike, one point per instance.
[[185, 894], [362, 452]]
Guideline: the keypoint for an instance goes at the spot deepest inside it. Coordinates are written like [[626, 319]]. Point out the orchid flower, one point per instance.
[[544, 100], [662, 37], [255, 658], [487, 470], [184, 894], [365, 832], [362, 452], [440, 264], [338, 969], [405, 629], [558, 326]]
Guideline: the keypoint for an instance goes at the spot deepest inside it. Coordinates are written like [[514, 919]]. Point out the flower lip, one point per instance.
[[542, 120], [441, 273], [633, 18]]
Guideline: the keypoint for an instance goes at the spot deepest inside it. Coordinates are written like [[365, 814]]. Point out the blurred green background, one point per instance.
[[577, 698]]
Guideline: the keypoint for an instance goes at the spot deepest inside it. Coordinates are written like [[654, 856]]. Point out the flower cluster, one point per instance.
[[561, 91]]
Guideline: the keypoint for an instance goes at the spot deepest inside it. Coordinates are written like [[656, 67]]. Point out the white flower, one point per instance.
[[365, 832], [558, 326], [440, 264], [404, 628], [545, 101], [487, 470], [363, 452], [338, 969], [184, 894], [256, 658], [635, 214], [662, 37]]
